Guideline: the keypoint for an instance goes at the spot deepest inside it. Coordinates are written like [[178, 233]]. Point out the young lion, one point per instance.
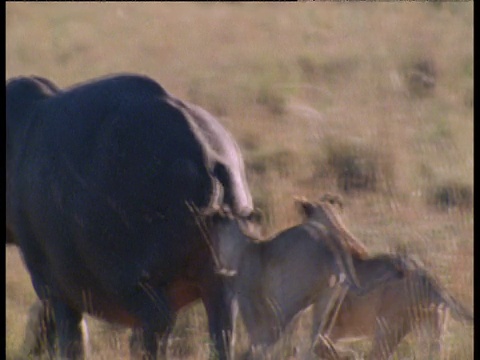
[[412, 300], [407, 297]]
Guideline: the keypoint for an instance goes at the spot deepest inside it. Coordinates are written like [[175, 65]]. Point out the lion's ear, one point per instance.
[[333, 199], [304, 206]]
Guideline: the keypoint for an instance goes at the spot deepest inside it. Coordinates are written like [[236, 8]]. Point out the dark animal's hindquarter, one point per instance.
[[101, 182], [115, 244]]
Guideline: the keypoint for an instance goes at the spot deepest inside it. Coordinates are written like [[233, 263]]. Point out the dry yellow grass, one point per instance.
[[287, 79]]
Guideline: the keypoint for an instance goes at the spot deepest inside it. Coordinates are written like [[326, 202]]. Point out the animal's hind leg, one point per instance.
[[68, 326], [61, 323], [325, 312], [324, 348], [150, 305], [388, 335], [40, 330], [434, 331], [144, 344], [52, 326], [137, 346]]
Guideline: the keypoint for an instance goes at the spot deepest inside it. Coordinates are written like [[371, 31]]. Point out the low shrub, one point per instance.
[[450, 194]]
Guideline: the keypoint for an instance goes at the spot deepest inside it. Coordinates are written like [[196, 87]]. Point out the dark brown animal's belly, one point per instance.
[[182, 292], [109, 311], [122, 317]]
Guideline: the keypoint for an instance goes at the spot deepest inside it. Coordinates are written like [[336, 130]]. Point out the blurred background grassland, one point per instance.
[[370, 100]]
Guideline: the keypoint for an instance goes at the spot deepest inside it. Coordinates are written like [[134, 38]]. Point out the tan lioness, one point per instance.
[[408, 297], [411, 300], [273, 280]]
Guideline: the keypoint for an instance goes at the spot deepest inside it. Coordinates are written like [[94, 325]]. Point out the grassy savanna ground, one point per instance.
[[384, 90]]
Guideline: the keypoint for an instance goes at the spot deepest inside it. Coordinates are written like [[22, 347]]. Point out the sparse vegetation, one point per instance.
[[277, 159], [421, 78], [451, 194], [294, 83], [354, 165]]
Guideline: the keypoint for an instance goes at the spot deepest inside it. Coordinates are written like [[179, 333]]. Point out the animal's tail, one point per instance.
[[411, 268], [458, 310]]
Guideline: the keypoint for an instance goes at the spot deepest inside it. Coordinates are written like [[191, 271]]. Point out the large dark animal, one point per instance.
[[106, 182]]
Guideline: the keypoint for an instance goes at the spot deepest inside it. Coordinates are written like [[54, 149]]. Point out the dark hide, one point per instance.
[[101, 182]]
